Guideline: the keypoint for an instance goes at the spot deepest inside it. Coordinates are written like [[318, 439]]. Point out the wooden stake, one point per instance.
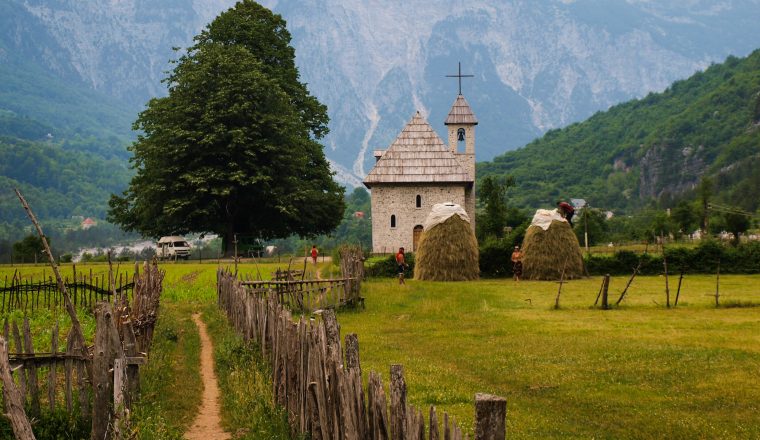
[[605, 289], [559, 291], [678, 292], [75, 325], [630, 280], [665, 266], [717, 286]]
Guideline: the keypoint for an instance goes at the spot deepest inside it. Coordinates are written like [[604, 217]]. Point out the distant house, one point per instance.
[[88, 223], [359, 214]]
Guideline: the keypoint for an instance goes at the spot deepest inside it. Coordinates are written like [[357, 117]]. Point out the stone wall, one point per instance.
[[400, 200]]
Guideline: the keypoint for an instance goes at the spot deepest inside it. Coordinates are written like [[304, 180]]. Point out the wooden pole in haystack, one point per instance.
[[76, 327]]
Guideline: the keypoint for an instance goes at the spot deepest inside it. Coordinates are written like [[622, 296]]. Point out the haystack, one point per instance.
[[549, 247], [448, 249]]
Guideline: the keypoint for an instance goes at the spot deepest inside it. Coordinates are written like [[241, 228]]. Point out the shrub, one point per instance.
[[704, 258], [387, 267], [495, 253]]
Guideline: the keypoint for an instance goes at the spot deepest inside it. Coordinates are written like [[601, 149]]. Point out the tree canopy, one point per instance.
[[233, 147]]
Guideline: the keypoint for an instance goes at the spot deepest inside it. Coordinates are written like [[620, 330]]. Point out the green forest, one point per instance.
[[651, 150]]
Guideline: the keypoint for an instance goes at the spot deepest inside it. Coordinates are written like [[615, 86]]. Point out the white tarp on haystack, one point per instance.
[[442, 212], [544, 217]]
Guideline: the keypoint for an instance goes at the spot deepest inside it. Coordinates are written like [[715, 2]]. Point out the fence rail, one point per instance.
[[307, 295], [20, 293], [320, 386]]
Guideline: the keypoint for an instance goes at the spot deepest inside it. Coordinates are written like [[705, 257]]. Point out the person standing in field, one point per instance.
[[567, 211], [401, 261], [314, 253], [517, 263]]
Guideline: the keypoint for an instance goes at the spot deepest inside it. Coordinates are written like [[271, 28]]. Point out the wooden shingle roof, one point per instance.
[[417, 155], [461, 113]]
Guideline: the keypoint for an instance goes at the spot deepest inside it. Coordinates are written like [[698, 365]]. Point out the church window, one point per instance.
[[393, 221], [419, 201]]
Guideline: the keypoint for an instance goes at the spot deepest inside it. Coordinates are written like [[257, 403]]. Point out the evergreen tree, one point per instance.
[[233, 147]]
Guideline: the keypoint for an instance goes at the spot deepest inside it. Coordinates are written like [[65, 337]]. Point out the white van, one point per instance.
[[173, 248]]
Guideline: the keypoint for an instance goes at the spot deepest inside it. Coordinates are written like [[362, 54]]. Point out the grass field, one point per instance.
[[640, 371]]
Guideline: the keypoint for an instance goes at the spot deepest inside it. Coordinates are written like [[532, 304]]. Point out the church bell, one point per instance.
[[460, 134]]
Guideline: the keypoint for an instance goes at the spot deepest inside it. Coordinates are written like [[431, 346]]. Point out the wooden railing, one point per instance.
[[85, 290], [305, 296], [320, 385]]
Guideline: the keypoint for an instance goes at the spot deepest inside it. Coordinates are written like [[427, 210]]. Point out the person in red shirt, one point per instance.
[[401, 265], [567, 211], [314, 253]]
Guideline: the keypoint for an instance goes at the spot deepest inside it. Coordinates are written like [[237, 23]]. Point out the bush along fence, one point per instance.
[[704, 258], [320, 385], [101, 380], [85, 290]]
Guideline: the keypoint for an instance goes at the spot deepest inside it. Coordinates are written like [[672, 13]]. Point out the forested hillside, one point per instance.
[[62, 143], [653, 149]]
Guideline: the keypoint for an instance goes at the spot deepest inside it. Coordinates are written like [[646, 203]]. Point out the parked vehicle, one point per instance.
[[173, 248]]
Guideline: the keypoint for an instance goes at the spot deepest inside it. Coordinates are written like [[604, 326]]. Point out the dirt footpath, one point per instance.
[[207, 424]]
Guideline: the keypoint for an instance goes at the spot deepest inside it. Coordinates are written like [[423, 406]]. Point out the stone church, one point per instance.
[[418, 171]]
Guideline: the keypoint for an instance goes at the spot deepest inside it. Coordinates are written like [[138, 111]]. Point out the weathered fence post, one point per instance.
[[490, 417], [398, 403], [605, 291], [102, 362], [14, 404], [53, 366], [32, 373]]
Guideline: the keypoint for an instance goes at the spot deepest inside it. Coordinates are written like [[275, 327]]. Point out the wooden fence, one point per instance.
[[320, 386], [21, 293], [309, 295], [102, 379], [304, 295], [29, 366]]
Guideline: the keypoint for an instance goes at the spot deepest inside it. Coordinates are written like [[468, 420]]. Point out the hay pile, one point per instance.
[[447, 251], [546, 252]]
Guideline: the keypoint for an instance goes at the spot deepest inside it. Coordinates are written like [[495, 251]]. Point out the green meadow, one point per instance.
[[636, 371], [639, 371]]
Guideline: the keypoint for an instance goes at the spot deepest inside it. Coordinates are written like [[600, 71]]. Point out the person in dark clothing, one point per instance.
[[517, 263], [567, 211]]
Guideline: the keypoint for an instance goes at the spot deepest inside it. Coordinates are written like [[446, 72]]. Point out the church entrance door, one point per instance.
[[416, 237]]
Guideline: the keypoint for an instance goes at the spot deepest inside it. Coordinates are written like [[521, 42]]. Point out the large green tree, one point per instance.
[[233, 147]]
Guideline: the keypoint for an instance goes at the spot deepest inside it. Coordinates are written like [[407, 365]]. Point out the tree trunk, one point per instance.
[[229, 240]]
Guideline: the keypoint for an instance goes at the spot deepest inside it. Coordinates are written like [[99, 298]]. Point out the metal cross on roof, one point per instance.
[[460, 76]]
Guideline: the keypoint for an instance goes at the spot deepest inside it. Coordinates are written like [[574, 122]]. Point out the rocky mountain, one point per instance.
[[538, 64]]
